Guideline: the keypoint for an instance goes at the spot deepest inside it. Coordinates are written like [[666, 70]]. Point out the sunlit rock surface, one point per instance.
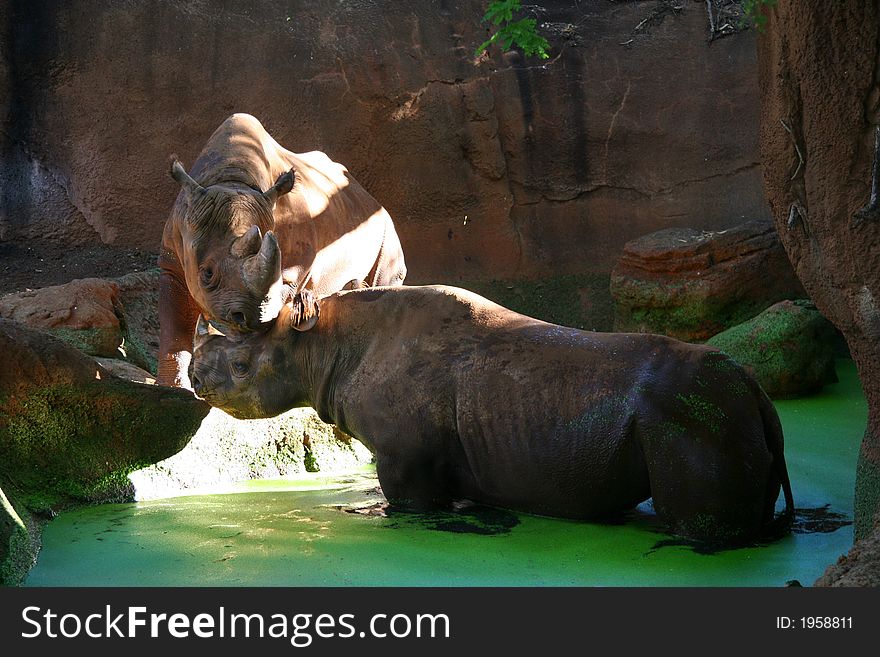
[[226, 450], [110, 318]]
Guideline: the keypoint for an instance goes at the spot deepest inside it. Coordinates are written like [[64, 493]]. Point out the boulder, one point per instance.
[[114, 318], [83, 313], [789, 348], [692, 284], [70, 431]]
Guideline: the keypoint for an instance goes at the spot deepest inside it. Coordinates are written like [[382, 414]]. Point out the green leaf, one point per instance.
[[522, 33], [501, 11]]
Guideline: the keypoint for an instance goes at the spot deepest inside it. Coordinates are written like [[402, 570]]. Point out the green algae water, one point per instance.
[[303, 533]]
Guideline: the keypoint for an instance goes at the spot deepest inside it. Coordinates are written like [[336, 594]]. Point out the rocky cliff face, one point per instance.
[[497, 168], [820, 111]]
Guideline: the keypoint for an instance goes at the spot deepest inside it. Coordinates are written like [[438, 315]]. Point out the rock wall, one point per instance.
[[820, 112], [493, 169]]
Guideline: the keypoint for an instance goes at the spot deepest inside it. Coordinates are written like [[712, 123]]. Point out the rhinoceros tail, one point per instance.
[[775, 524]]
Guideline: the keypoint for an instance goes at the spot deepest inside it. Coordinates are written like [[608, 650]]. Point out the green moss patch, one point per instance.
[[680, 310], [703, 410], [79, 442], [103, 341], [789, 348], [867, 497]]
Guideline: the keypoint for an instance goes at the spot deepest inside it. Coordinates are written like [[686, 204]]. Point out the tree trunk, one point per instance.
[[819, 69]]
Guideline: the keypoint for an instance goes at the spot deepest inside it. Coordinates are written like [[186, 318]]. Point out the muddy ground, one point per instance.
[[33, 265]]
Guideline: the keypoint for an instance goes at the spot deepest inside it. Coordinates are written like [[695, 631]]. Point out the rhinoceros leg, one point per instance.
[[178, 314], [413, 481], [707, 452]]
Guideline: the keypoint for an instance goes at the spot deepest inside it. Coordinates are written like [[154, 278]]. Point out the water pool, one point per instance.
[[298, 533]]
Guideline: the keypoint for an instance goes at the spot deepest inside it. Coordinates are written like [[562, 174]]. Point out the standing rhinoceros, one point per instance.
[[252, 216], [461, 398]]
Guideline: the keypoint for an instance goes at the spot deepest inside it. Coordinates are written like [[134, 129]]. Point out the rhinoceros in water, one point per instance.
[[461, 398], [251, 217]]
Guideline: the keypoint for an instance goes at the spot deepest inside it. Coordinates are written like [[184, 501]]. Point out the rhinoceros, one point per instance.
[[252, 217], [460, 398]]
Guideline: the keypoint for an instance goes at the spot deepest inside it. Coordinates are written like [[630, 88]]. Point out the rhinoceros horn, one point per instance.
[[261, 270], [248, 244], [182, 177]]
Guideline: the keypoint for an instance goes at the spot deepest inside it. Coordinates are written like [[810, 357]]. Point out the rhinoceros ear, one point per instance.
[[303, 311], [355, 284], [204, 330], [248, 244], [183, 178], [281, 187]]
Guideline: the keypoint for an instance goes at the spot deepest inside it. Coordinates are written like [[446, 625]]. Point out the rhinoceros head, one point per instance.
[[258, 374], [231, 258]]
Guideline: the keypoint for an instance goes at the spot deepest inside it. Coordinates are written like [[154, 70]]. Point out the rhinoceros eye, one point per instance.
[[239, 367], [208, 277]]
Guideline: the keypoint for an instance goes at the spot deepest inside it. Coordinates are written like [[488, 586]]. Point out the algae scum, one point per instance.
[[292, 533]]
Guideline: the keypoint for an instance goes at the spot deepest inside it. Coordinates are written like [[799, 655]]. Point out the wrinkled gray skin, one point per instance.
[[461, 398]]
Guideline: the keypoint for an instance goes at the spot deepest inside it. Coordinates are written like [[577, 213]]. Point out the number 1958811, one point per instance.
[[814, 622]]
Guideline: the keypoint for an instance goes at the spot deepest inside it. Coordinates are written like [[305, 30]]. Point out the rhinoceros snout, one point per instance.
[[202, 388], [238, 319]]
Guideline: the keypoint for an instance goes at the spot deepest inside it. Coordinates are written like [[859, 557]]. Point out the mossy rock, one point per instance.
[[84, 313], [789, 348], [691, 284], [139, 318], [19, 541], [71, 432]]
